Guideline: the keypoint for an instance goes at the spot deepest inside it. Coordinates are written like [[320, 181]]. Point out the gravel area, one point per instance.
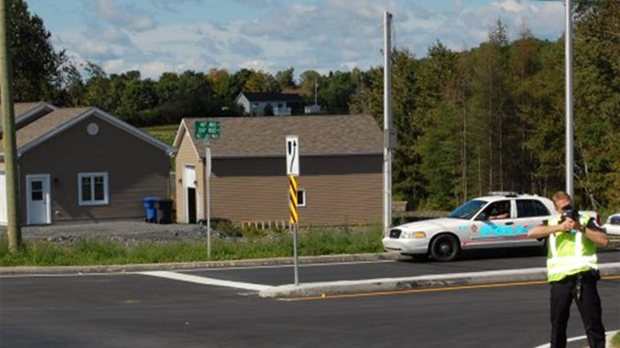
[[118, 230]]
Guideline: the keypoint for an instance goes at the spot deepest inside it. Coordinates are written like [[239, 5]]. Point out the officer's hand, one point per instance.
[[567, 224]]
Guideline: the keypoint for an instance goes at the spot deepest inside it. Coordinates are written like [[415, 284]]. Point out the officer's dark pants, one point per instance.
[[563, 293]]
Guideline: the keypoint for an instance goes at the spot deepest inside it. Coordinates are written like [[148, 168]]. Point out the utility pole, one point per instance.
[[9, 142], [388, 135], [316, 87]]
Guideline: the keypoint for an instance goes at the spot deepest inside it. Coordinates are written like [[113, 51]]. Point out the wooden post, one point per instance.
[[9, 142]]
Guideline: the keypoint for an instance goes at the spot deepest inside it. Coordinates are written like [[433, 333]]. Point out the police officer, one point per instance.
[[572, 270]]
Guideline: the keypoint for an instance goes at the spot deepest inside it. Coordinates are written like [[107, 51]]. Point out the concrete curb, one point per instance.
[[321, 289]]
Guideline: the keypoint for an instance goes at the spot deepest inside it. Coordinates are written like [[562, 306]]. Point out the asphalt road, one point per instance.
[[137, 310], [488, 260]]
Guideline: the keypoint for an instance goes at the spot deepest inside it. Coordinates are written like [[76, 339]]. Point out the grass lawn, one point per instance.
[[164, 133], [234, 244]]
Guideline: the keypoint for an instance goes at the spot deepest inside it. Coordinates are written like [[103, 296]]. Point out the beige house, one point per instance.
[[83, 164], [340, 161]]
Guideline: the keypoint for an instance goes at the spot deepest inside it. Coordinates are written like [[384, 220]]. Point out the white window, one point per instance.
[[93, 188], [301, 197]]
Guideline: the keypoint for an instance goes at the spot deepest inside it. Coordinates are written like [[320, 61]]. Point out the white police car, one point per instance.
[[612, 225], [498, 220]]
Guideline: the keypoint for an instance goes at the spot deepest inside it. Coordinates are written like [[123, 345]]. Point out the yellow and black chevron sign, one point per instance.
[[292, 193]]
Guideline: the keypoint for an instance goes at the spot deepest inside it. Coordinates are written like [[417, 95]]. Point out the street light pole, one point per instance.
[[569, 98], [387, 123]]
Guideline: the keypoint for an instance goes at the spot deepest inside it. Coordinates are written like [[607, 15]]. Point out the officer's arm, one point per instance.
[[596, 234], [543, 231]]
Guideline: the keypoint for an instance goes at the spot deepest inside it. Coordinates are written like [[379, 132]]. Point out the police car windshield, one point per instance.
[[467, 210]]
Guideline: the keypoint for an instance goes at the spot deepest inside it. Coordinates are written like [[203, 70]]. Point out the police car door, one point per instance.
[[498, 226], [530, 213], [494, 226]]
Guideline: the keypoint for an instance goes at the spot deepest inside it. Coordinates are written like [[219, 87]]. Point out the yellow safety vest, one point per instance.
[[569, 252]]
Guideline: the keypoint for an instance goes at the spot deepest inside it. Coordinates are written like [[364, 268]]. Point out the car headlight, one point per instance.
[[413, 234]]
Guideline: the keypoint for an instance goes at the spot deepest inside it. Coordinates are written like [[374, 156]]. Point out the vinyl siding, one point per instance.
[[339, 190], [135, 169], [186, 155]]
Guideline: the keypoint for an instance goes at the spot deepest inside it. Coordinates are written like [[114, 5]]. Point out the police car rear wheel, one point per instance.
[[444, 248]]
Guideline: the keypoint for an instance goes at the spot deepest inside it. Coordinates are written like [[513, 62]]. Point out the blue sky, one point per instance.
[[156, 36]]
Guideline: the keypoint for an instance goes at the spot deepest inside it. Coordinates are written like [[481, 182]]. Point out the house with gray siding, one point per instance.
[[340, 181], [83, 164]]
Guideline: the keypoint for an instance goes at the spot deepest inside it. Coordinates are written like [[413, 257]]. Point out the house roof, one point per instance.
[[61, 119], [25, 111], [266, 97], [266, 136]]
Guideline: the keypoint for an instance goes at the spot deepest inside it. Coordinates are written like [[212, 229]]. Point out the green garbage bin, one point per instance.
[[165, 211]]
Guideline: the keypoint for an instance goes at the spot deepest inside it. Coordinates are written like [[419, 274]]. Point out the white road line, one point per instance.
[[206, 281], [608, 334]]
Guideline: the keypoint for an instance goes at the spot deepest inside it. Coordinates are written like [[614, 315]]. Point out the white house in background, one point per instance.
[[313, 109], [282, 104]]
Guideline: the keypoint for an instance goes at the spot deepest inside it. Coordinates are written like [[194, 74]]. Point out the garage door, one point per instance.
[[2, 199]]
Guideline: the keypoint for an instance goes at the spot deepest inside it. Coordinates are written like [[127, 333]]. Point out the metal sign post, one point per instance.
[[207, 130], [294, 221], [208, 194], [292, 170]]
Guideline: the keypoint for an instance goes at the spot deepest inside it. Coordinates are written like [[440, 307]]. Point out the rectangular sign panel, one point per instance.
[[207, 130], [292, 155]]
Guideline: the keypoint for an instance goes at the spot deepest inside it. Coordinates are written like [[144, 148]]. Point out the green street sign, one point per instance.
[[207, 130]]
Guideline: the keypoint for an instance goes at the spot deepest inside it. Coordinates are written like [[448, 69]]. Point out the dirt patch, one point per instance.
[[117, 230]]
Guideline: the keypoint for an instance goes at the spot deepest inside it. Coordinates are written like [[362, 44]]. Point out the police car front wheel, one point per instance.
[[444, 248]]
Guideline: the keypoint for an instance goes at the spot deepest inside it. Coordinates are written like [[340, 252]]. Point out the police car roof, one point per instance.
[[498, 195]]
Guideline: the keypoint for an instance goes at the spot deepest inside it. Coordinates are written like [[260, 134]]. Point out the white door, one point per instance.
[[3, 217], [38, 202], [189, 191], [189, 176]]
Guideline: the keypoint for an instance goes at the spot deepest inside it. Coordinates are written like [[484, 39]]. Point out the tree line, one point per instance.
[[491, 118]]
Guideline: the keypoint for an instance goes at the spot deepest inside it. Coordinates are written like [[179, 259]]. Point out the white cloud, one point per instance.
[[123, 16], [114, 66], [154, 69], [96, 49], [322, 35], [544, 18], [256, 65], [114, 36]]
